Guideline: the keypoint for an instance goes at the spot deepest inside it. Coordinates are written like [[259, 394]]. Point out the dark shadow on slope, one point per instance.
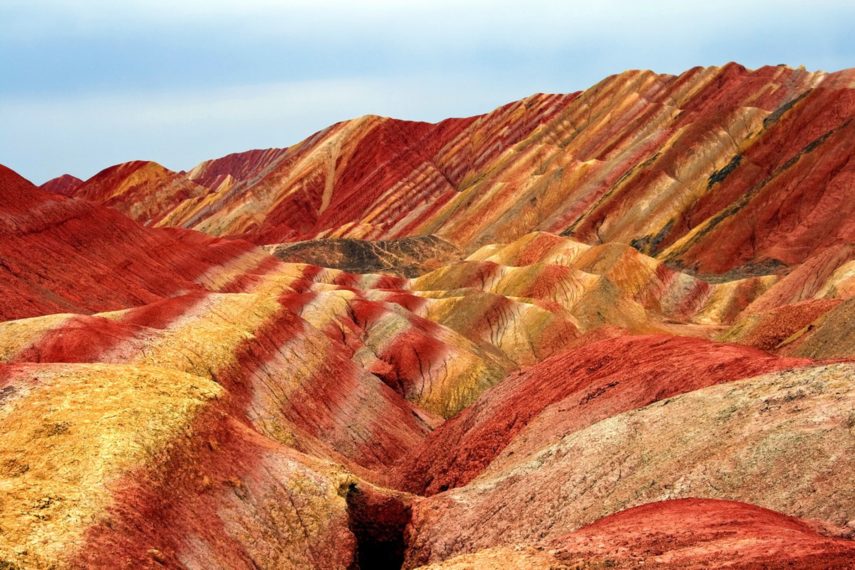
[[378, 522], [409, 257]]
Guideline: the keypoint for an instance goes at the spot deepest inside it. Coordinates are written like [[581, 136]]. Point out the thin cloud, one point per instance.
[[90, 82], [182, 128]]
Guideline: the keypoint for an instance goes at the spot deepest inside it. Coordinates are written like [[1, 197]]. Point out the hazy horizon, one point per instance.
[[90, 84]]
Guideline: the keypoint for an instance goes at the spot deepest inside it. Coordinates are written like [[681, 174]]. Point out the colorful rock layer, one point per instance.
[[599, 330], [718, 169]]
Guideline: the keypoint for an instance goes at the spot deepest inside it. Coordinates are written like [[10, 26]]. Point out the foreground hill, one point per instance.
[[599, 330]]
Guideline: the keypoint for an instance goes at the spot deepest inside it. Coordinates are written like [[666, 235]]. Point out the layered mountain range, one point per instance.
[[598, 330]]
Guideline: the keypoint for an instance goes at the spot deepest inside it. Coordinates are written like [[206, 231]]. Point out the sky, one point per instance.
[[89, 83]]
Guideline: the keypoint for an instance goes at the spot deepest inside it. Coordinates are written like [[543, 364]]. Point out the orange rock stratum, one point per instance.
[[607, 329]]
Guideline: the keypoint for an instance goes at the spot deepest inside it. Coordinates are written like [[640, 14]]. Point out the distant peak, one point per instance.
[[65, 184]]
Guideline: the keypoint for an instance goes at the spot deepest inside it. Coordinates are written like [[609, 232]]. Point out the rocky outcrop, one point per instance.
[[719, 170], [682, 533], [571, 391], [781, 441], [605, 329], [410, 257], [144, 191]]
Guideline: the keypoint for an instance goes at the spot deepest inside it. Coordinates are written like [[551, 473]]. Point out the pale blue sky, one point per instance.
[[89, 83]]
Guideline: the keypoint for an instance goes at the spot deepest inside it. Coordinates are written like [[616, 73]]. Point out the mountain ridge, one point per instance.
[[757, 133], [589, 330]]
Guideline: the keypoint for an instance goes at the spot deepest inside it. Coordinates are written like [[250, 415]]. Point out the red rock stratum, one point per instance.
[[604, 329]]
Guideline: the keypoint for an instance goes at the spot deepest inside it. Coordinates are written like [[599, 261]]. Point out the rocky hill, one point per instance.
[[599, 330]]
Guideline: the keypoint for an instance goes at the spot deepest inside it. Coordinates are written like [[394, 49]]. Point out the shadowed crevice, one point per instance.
[[378, 522]]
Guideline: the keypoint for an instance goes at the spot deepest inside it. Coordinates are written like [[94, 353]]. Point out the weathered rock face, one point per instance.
[[781, 441], [67, 255], [571, 391], [112, 469], [720, 169], [145, 191], [410, 256], [237, 167], [681, 533], [65, 185], [604, 329]]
